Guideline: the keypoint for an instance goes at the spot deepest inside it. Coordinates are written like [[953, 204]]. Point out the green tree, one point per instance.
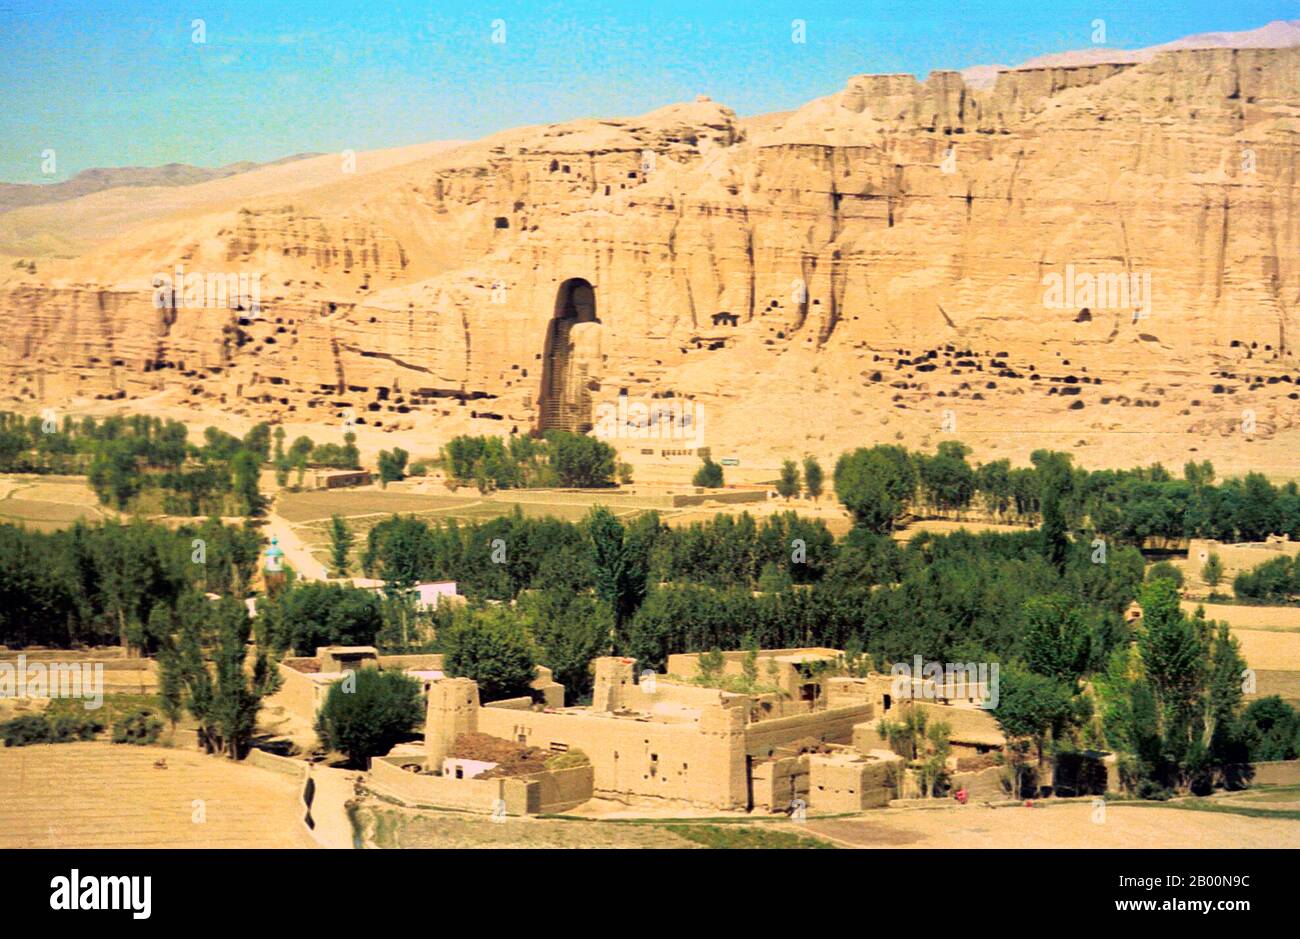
[[492, 646], [258, 441], [244, 470], [1223, 735], [392, 466], [710, 665], [221, 693], [1055, 489], [368, 712], [1056, 638], [571, 629], [993, 482], [307, 615], [813, 478], [1167, 571], [341, 540], [774, 578], [1172, 651], [1272, 729], [1032, 709], [581, 461], [171, 686], [947, 478], [749, 664], [787, 486], [708, 476], [618, 565], [875, 485]]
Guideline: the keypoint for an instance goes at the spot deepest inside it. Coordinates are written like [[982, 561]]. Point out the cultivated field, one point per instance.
[[48, 503], [1242, 616], [1270, 643], [309, 512], [93, 795]]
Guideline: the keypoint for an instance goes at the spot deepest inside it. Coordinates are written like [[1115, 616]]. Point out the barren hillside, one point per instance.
[[902, 260]]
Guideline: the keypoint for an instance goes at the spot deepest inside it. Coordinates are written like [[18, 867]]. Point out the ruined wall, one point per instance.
[[471, 795], [778, 782], [965, 724], [831, 725]]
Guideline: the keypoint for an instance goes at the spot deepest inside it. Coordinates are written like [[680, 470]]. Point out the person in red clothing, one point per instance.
[[962, 795]]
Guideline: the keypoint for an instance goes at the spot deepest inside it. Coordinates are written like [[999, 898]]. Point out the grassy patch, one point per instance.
[[719, 836], [387, 831], [115, 706], [1229, 808]]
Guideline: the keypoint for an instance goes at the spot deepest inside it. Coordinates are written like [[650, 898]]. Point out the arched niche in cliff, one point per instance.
[[565, 400]]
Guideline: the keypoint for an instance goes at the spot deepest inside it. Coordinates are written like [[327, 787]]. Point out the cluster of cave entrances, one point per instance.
[[565, 402]]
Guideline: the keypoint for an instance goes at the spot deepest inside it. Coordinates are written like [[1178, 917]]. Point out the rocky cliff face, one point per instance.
[[1076, 255]]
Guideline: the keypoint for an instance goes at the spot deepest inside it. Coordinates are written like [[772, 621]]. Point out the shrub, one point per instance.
[[1272, 729], [67, 727], [567, 760], [1212, 572], [140, 727], [25, 730], [1163, 570], [1150, 789], [41, 728], [1273, 580]]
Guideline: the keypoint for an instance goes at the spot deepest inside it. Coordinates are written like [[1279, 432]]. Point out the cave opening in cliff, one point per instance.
[[565, 401]]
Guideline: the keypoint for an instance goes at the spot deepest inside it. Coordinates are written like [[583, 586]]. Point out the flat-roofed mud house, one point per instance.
[[663, 738]]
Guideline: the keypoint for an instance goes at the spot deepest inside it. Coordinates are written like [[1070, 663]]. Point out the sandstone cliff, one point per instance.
[[876, 265]]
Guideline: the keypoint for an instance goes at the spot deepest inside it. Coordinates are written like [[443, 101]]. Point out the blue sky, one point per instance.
[[119, 84]]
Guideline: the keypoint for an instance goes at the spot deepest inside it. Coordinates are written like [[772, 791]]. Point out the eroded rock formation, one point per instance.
[[869, 266]]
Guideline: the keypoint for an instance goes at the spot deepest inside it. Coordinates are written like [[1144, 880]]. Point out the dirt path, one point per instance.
[[334, 787], [295, 551]]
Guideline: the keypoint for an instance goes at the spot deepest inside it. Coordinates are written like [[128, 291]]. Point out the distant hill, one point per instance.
[[1279, 34], [19, 195]]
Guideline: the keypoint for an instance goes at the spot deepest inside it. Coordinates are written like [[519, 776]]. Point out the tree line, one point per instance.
[[882, 484], [558, 458], [148, 464]]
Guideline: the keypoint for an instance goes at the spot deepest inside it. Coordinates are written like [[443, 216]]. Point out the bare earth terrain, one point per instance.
[[95, 795], [1064, 825]]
